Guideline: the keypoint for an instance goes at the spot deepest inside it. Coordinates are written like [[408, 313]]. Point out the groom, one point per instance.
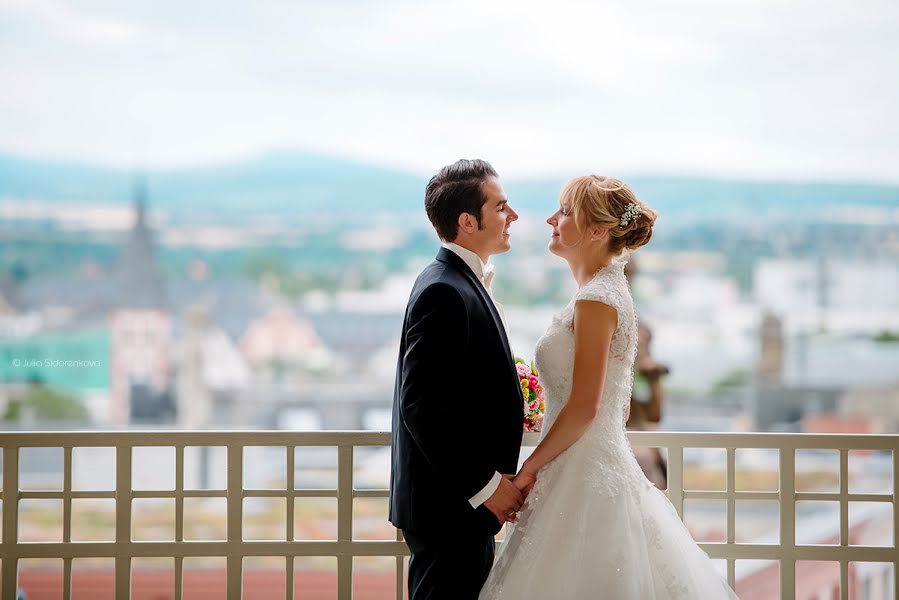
[[457, 410]]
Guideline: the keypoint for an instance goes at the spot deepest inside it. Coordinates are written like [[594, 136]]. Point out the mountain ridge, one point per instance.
[[307, 183]]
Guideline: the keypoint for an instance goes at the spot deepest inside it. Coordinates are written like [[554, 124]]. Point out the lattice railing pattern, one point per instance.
[[345, 548]]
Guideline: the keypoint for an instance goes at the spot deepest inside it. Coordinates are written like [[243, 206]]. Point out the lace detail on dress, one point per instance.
[[677, 589], [609, 290], [554, 353]]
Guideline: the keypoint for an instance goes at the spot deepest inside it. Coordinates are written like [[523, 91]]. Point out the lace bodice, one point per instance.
[[554, 353], [604, 445]]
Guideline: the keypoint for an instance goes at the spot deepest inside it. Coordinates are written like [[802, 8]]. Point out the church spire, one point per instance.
[[141, 282]]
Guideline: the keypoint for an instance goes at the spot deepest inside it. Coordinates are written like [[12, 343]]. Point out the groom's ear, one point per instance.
[[467, 223]]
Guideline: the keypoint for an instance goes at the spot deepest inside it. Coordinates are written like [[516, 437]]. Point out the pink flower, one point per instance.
[[524, 371], [533, 383], [527, 407]]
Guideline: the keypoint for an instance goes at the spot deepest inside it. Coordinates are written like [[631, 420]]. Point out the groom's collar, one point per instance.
[[481, 269]]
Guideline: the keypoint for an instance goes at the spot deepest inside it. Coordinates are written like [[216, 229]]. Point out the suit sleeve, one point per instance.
[[436, 342]]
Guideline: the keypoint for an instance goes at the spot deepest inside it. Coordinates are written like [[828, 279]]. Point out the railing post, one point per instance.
[[788, 523], [896, 520], [676, 478], [291, 505], [399, 569], [235, 521], [10, 520], [67, 521], [731, 512], [179, 519], [844, 521], [344, 521], [123, 523]]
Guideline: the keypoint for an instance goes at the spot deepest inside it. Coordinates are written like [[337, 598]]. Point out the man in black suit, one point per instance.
[[458, 407]]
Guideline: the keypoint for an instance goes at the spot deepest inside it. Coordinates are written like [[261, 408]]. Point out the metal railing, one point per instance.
[[345, 548]]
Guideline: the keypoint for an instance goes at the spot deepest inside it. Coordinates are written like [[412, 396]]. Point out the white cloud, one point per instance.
[[63, 20], [756, 89]]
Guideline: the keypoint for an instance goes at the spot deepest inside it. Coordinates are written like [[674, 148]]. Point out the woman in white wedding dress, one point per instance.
[[593, 526]]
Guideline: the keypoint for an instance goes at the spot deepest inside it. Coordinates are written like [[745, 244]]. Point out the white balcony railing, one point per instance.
[[345, 548]]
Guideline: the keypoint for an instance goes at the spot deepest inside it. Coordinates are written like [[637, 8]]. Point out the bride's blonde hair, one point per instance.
[[600, 200]]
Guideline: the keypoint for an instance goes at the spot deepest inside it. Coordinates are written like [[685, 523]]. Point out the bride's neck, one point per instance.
[[584, 270]]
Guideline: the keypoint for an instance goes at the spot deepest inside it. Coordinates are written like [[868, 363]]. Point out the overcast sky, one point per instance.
[[763, 89]]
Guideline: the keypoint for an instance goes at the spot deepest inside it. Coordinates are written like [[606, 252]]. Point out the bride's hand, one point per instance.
[[525, 481]]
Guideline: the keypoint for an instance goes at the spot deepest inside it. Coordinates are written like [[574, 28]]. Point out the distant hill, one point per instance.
[[691, 199], [306, 184], [275, 183]]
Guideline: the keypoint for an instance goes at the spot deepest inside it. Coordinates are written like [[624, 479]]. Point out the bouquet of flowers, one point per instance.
[[533, 395]]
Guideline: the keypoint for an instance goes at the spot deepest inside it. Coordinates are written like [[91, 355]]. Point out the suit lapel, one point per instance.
[[451, 258]]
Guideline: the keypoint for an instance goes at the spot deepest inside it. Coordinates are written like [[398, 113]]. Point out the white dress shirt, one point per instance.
[[484, 272]]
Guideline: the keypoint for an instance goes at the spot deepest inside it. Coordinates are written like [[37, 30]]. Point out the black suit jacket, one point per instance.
[[457, 409]]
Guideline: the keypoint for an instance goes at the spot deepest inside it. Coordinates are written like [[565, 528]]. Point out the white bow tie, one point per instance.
[[488, 276]]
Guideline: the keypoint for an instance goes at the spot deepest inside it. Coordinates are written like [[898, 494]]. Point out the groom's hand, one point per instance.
[[505, 502]]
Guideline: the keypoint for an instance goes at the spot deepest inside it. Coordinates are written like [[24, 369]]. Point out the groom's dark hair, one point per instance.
[[454, 190]]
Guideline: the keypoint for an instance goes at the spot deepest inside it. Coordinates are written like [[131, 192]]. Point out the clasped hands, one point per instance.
[[510, 495]]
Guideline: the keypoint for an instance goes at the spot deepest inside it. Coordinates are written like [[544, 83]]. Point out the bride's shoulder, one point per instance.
[[608, 286]]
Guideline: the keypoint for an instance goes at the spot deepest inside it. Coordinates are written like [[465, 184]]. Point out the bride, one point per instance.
[[593, 526]]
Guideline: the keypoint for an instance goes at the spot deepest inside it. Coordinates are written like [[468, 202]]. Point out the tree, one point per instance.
[[887, 336], [45, 404], [733, 379]]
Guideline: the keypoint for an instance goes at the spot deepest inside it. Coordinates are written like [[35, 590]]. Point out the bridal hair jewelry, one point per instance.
[[630, 213]]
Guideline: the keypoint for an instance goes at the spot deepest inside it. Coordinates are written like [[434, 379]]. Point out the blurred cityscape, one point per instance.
[[155, 300], [282, 312]]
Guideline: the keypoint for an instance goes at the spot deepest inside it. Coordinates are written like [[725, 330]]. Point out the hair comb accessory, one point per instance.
[[631, 212]]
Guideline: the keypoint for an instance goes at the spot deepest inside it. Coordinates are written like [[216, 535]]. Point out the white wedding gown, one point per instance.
[[593, 526]]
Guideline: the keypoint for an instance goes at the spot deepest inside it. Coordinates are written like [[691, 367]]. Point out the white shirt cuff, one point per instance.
[[484, 495]]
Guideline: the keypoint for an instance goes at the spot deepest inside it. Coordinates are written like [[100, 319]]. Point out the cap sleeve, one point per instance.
[[604, 290]]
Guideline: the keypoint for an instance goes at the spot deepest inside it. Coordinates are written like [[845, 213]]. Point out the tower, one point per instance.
[[771, 357], [140, 323]]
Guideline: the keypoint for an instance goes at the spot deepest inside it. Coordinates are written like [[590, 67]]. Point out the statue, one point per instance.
[[646, 412]]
